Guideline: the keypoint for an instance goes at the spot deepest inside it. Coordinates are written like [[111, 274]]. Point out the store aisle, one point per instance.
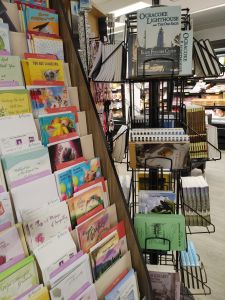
[[211, 247]]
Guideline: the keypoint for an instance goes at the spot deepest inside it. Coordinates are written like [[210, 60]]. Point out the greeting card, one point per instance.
[[58, 126], [65, 153], [49, 97], [6, 213], [4, 39], [14, 102], [44, 223], [90, 232], [71, 179], [25, 166], [11, 249], [18, 279], [86, 200], [10, 71], [43, 72]]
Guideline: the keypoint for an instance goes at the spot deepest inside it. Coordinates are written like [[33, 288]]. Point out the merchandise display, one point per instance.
[[108, 120], [168, 138], [66, 234]]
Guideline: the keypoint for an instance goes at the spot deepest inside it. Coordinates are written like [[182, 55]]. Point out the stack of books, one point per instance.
[[192, 270], [166, 148], [196, 129], [59, 235], [196, 200]]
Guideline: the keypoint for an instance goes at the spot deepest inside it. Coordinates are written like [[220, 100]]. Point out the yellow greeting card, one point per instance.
[[41, 295], [43, 72], [14, 102]]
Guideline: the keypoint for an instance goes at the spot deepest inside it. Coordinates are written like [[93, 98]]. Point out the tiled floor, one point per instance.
[[211, 247]]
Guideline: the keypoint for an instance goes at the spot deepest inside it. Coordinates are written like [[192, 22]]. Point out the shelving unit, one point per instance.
[[210, 101], [86, 103], [163, 107], [163, 104]]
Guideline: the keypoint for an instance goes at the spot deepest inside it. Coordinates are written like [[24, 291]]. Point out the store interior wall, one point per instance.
[[213, 34]]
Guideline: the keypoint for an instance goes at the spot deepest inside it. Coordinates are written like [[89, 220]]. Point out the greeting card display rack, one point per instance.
[[94, 127], [164, 95]]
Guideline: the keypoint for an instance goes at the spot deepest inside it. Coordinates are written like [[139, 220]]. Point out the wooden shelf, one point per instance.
[[94, 127], [208, 102]]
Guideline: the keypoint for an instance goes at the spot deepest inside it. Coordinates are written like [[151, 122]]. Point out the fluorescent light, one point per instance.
[[116, 32], [206, 9], [127, 9], [119, 24]]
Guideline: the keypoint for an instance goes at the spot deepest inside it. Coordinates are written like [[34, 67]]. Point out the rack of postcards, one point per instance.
[[165, 142], [56, 205]]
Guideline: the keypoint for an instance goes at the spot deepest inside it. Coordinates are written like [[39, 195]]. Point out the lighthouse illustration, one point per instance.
[[160, 39]]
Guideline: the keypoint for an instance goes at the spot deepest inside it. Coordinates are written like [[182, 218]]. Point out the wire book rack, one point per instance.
[[162, 100]]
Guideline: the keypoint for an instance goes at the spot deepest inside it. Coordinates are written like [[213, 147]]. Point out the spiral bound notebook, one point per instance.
[[166, 148], [160, 138], [156, 131]]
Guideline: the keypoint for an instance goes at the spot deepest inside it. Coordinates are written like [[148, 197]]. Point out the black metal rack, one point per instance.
[[195, 280], [162, 106]]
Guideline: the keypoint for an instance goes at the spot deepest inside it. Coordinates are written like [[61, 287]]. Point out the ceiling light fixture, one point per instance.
[[206, 9], [119, 24], [116, 32], [127, 9]]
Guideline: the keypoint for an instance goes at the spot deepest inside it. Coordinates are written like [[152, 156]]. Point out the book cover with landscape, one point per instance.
[[156, 201], [158, 32], [107, 260], [105, 253]]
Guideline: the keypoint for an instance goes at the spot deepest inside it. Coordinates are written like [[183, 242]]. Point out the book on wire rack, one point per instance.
[[158, 32]]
